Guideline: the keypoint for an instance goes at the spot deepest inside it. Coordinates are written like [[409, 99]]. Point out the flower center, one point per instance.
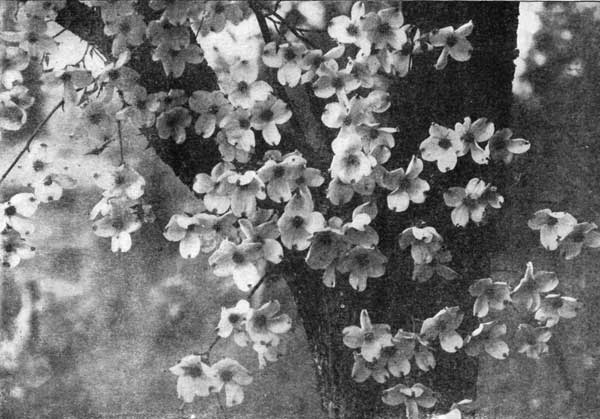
[[10, 211], [219, 8], [141, 104], [226, 376], [95, 118], [577, 236], [468, 138], [337, 83], [352, 160], [498, 145], [244, 123], [326, 240], [407, 48], [238, 258], [32, 37], [470, 202], [118, 224], [279, 172], [194, 371], [124, 27], [289, 54], [404, 184], [9, 248], [213, 109], [373, 134], [352, 29], [297, 221], [266, 115], [445, 143], [552, 221], [113, 74], [260, 321], [39, 165], [243, 86], [451, 40], [48, 180], [384, 29], [369, 337], [234, 318], [362, 260]]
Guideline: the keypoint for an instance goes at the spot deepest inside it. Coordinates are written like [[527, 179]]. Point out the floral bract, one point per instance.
[[370, 338]]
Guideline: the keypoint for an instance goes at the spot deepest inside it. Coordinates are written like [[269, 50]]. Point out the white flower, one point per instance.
[[405, 186], [233, 321], [471, 134], [122, 181], [370, 338], [267, 115], [194, 378], [553, 226], [15, 213], [442, 146], [231, 375], [454, 43], [118, 224], [349, 30], [288, 59], [242, 87]]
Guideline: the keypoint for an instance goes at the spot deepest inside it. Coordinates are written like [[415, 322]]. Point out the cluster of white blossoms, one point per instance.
[[262, 204]]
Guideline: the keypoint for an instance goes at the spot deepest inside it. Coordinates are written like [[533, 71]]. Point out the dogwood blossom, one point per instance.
[[13, 248], [412, 397], [385, 28], [327, 245], [241, 86], [117, 75], [362, 264], [423, 272], [349, 30], [552, 226], [215, 187], [15, 213], [473, 133], [582, 234], [454, 43], [245, 189], [349, 163], [162, 32], [333, 81], [122, 181], [237, 128], [174, 61], [232, 376], [70, 79], [267, 115], [212, 107], [198, 232], [12, 116], [13, 60], [488, 337], [362, 370], [406, 186], [128, 31], [118, 223], [265, 324], [443, 326], [555, 306], [370, 338], [299, 222], [314, 58], [424, 243], [173, 123], [471, 202], [442, 146], [489, 294], [238, 261], [194, 378], [233, 321], [288, 59], [532, 341], [399, 355], [142, 108], [98, 119], [527, 293], [266, 235], [502, 147]]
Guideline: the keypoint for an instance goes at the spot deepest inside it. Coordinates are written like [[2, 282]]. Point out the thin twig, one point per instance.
[[35, 132], [293, 29], [223, 411], [120, 143], [57, 34]]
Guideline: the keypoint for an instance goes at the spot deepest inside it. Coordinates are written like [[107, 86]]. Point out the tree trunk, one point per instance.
[[480, 87]]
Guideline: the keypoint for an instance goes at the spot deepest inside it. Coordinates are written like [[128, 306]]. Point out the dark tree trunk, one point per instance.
[[480, 87]]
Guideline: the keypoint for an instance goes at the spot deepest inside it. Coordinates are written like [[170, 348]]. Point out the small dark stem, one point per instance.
[[120, 143], [34, 134], [206, 354], [257, 286], [221, 407], [296, 31], [57, 34]]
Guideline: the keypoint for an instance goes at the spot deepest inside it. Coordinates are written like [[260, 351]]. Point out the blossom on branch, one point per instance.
[[553, 226], [443, 326], [13, 248], [265, 324], [454, 43], [288, 59], [266, 115], [412, 397], [239, 261], [532, 341], [555, 306], [406, 186], [442, 146], [489, 294], [471, 202], [229, 374], [212, 108], [233, 321], [299, 222], [349, 30], [582, 234], [502, 147], [488, 337], [370, 338], [15, 213], [527, 293], [473, 133], [194, 378]]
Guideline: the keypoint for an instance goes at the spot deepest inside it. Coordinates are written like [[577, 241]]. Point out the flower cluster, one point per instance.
[[560, 230], [262, 327], [196, 378], [15, 224], [121, 210]]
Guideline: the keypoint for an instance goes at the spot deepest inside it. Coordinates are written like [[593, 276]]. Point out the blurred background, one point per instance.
[[108, 326]]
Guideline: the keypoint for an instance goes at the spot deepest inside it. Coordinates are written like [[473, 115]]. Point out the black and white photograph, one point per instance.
[[299, 209]]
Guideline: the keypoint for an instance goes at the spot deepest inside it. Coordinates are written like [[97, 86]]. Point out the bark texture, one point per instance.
[[480, 87]]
